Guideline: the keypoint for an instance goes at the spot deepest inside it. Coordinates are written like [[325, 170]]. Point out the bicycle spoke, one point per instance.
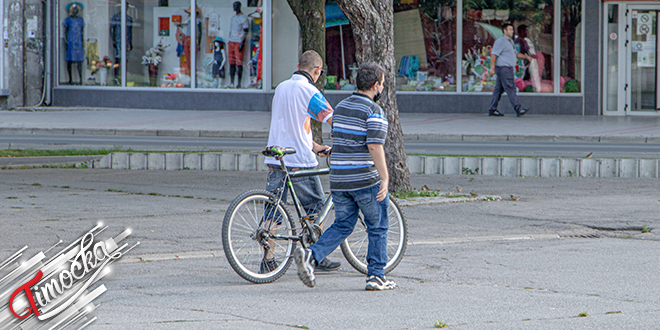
[[247, 223], [247, 228], [361, 242]]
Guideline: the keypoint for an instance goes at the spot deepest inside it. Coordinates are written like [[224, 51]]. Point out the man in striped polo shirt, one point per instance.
[[358, 180]]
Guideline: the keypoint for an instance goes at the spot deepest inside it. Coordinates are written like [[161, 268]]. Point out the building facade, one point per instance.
[[590, 57]]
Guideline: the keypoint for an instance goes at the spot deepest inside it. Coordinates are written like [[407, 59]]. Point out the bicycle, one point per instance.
[[258, 229]]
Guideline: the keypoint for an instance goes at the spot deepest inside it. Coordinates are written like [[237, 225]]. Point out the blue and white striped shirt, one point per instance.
[[357, 122]]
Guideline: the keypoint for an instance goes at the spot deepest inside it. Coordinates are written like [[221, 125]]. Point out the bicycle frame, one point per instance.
[[287, 183]]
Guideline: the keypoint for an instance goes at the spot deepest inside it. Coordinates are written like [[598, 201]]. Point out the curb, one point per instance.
[[264, 135], [444, 200], [491, 166]]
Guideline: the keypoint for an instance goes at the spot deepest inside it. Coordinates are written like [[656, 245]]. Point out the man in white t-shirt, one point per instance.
[[296, 102]]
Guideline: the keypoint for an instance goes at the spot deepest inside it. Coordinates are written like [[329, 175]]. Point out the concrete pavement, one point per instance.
[[255, 124], [567, 246]]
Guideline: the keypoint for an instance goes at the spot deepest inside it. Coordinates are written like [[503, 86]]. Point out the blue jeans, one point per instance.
[[347, 205], [504, 83], [308, 189]]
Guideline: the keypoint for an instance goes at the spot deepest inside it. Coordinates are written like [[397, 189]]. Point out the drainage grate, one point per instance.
[[582, 236]]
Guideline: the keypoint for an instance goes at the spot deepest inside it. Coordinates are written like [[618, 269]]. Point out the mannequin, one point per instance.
[[183, 38], [236, 45], [219, 59], [74, 28], [115, 35]]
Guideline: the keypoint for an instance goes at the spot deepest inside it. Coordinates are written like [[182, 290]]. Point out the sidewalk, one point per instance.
[[253, 124]]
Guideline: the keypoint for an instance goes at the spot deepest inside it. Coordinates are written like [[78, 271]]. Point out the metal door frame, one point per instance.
[[628, 58], [621, 62]]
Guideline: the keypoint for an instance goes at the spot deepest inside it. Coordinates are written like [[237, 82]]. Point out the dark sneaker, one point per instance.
[[495, 113], [379, 283], [522, 112], [268, 266], [327, 265], [305, 263]]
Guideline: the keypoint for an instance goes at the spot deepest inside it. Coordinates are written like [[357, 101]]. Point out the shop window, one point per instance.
[[533, 28], [230, 44], [571, 45], [86, 54], [424, 46], [159, 49]]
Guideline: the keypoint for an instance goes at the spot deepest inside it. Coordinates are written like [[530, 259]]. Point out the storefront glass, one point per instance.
[[533, 28], [159, 50], [229, 44], [424, 46], [571, 46], [86, 54], [153, 56]]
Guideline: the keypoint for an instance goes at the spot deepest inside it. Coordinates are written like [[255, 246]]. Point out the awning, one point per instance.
[[334, 16], [492, 30]]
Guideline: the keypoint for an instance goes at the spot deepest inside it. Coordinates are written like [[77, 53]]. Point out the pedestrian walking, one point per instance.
[[503, 58], [358, 181]]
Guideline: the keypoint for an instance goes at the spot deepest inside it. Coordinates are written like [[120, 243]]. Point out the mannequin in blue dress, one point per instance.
[[74, 26]]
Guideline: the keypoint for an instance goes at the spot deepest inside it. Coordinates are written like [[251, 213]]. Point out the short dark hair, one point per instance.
[[309, 60], [521, 28], [506, 25], [369, 74]]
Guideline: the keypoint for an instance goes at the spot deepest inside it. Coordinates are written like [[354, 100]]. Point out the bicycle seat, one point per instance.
[[273, 151]]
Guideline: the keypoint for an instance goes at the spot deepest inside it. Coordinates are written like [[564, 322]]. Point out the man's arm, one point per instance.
[[378, 155], [524, 57], [493, 59]]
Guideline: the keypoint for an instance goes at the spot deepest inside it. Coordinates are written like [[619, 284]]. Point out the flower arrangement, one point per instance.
[[104, 63], [153, 55]]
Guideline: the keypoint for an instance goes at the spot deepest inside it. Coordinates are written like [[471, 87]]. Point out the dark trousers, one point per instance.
[[503, 84]]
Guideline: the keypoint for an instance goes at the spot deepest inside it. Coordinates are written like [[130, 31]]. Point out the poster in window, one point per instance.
[[164, 27]]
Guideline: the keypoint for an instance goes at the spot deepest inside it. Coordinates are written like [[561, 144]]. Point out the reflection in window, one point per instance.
[[533, 23], [571, 45]]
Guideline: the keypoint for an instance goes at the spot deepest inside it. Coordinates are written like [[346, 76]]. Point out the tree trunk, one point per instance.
[[311, 17], [372, 22]]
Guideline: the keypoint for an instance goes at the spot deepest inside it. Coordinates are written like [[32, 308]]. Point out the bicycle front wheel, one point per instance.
[[354, 247], [257, 236]]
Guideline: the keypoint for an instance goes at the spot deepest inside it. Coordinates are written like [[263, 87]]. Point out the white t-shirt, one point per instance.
[[237, 28], [295, 103]]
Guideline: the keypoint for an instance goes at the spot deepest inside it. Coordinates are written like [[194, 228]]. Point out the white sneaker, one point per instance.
[[305, 263], [379, 283]]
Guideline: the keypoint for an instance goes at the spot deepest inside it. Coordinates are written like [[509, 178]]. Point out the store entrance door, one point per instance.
[[642, 91]]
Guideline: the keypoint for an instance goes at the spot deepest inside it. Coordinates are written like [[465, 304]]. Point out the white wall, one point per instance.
[[286, 42]]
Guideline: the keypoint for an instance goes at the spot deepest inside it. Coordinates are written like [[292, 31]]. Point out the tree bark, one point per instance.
[[311, 17], [372, 22]]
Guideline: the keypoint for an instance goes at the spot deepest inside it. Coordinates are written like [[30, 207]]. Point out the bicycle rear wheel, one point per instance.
[[354, 247], [249, 236]]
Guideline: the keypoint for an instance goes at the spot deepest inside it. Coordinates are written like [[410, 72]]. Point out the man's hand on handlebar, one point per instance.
[[321, 150]]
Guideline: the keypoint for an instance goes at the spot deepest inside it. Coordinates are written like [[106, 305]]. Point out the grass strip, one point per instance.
[[82, 152]]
